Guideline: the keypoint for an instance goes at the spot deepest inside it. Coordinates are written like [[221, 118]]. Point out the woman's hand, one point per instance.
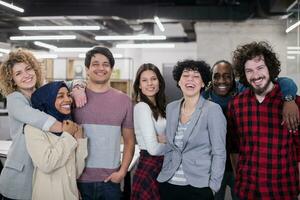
[[69, 127], [162, 138], [79, 133]]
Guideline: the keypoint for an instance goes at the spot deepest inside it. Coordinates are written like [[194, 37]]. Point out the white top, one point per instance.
[[147, 128]]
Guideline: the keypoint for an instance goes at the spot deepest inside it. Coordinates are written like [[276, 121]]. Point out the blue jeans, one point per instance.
[[99, 191], [228, 179]]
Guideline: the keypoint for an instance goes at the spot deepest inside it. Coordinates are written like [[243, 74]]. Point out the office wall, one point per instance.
[[217, 40]]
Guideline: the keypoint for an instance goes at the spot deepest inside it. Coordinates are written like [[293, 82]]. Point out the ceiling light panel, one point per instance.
[[292, 27], [58, 28], [146, 45], [11, 6], [4, 50], [44, 37], [159, 24], [131, 37], [45, 45]]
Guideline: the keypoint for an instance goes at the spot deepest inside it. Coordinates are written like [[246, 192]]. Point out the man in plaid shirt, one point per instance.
[[268, 154]]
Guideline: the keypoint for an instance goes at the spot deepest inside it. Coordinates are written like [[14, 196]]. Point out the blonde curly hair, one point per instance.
[[7, 84]]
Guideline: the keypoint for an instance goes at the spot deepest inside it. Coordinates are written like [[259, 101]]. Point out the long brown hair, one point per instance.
[[160, 98]]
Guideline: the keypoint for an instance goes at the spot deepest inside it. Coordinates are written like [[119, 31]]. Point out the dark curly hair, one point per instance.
[[251, 50], [201, 66], [160, 98]]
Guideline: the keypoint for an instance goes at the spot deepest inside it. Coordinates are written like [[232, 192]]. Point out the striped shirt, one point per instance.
[[102, 118], [178, 177]]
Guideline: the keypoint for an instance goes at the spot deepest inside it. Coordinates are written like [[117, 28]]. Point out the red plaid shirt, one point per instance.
[[267, 166]]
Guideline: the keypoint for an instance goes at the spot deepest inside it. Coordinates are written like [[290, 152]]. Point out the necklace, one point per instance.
[[185, 112]]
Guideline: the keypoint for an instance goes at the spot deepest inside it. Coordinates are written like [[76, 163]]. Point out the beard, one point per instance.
[[260, 89]]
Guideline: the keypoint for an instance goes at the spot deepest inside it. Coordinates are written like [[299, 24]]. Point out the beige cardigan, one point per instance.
[[58, 161]]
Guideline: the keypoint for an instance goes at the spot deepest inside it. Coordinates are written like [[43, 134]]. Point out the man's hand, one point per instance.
[[79, 96], [290, 115], [115, 177]]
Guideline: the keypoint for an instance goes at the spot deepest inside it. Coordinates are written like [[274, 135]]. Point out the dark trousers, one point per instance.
[[99, 191], [4, 198], [228, 179], [176, 192]]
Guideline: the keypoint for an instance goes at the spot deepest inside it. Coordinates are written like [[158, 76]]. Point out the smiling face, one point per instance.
[[99, 70], [190, 83], [257, 75], [63, 101], [149, 84], [222, 79], [24, 76]]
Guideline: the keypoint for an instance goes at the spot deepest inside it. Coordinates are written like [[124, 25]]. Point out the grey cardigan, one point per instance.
[[16, 176], [204, 155]]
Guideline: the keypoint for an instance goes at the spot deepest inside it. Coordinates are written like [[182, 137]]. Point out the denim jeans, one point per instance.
[[99, 191]]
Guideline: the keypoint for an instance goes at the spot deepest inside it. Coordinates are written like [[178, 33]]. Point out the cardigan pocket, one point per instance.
[[14, 165]]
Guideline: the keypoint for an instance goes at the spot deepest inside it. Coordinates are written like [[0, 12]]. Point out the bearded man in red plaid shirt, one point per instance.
[[268, 154]]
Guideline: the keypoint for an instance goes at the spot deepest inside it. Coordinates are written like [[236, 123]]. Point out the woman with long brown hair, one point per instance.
[[149, 125]]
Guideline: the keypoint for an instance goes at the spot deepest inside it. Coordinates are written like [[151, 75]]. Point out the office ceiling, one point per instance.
[[127, 17]]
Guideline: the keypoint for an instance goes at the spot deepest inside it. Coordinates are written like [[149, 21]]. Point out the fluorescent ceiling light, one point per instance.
[[286, 16], [62, 49], [75, 49], [45, 45], [4, 50], [147, 45], [159, 24], [115, 55], [58, 28], [293, 48], [44, 55], [293, 52], [131, 37], [44, 37], [291, 6], [292, 27], [291, 57], [11, 6]]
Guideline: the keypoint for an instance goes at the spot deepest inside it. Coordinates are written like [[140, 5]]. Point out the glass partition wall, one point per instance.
[[293, 42]]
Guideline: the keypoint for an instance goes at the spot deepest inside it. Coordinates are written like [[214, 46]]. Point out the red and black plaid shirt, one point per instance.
[[267, 166]]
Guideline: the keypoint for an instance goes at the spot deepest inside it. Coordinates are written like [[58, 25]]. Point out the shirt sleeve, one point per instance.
[[240, 87], [81, 154], [128, 119], [287, 86], [19, 108], [217, 135], [145, 129], [46, 156]]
